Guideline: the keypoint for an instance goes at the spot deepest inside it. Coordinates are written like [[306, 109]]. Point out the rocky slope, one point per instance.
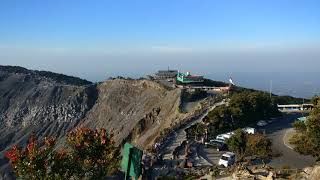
[[32, 103], [134, 110], [49, 104]]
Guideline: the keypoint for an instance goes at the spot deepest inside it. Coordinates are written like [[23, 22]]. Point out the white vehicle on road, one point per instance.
[[227, 159], [262, 123], [250, 130], [225, 136]]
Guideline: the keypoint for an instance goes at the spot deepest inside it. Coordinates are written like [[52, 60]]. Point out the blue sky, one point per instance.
[[94, 38], [193, 23]]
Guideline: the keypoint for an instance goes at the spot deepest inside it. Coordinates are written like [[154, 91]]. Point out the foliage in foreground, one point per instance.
[[92, 154], [244, 144], [307, 140]]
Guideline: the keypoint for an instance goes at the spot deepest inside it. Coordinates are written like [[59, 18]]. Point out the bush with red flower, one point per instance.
[[91, 154]]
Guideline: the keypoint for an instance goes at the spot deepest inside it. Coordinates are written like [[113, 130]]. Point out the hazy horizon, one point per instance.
[[98, 39]]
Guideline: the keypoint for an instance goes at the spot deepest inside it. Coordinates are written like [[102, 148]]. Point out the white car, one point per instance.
[[225, 136], [262, 123], [219, 140], [227, 159], [221, 137], [250, 130]]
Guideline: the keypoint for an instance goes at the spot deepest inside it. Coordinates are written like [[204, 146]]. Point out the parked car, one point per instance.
[[220, 146], [250, 130], [219, 138], [225, 136], [262, 123], [227, 159]]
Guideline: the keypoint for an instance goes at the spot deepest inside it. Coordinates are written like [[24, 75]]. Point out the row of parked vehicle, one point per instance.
[[228, 158], [219, 142]]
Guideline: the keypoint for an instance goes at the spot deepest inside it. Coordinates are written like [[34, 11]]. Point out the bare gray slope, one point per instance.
[[41, 107]]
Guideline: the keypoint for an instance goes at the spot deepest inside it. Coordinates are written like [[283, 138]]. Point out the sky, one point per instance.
[[94, 39]]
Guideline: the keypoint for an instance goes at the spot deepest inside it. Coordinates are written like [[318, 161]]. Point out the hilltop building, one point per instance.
[[166, 74], [187, 78]]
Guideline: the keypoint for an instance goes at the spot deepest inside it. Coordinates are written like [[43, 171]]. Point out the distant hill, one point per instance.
[[59, 78]]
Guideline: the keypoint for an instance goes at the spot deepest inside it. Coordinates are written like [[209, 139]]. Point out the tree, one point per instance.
[[316, 100], [249, 145], [237, 143], [197, 130], [219, 120], [258, 145], [313, 131], [244, 108], [92, 154], [32, 162], [200, 130], [299, 126], [307, 141]]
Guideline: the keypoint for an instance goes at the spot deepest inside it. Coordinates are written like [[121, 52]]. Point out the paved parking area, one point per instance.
[[276, 132]]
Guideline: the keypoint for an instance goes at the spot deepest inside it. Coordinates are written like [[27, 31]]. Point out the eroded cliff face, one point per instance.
[[49, 104], [134, 110], [33, 104]]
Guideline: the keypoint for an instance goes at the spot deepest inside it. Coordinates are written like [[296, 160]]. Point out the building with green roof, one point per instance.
[[187, 78]]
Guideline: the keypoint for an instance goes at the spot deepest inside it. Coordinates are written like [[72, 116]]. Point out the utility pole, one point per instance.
[[270, 89]]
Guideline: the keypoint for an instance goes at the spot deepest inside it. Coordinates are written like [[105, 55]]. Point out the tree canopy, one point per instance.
[[244, 144], [237, 143], [244, 108], [307, 141]]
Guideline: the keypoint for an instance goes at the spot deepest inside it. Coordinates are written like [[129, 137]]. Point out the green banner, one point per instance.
[[131, 161]]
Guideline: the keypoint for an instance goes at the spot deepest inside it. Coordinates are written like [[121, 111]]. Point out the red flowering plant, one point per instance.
[[31, 162], [94, 151], [92, 154]]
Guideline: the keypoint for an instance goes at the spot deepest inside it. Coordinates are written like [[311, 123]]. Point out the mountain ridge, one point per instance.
[[57, 77], [38, 104], [44, 104]]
